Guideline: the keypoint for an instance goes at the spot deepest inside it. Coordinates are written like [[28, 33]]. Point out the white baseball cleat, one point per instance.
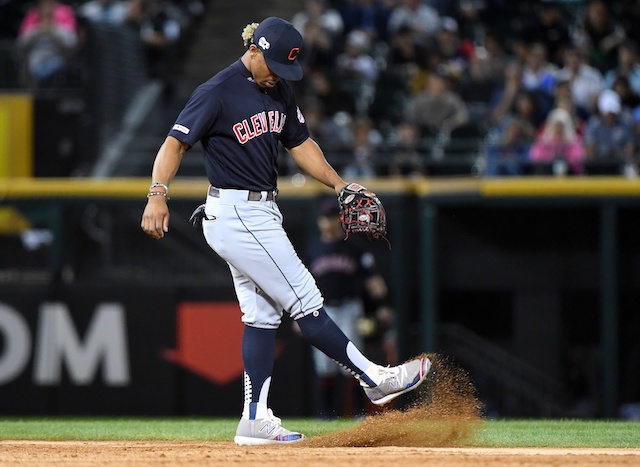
[[265, 431], [394, 381]]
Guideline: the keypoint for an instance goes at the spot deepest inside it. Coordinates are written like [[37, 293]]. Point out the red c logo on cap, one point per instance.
[[293, 54]]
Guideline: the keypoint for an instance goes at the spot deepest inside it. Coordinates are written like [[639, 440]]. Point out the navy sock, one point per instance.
[[258, 354], [325, 335]]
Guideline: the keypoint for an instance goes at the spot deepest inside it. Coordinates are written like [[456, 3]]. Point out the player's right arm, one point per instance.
[[311, 160], [155, 218]]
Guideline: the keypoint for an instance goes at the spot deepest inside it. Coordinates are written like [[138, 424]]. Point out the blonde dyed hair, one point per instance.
[[247, 33]]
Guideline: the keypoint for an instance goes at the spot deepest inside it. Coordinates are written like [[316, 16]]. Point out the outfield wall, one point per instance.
[[547, 269]]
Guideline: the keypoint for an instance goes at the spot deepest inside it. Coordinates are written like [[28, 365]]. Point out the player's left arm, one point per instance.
[[311, 160]]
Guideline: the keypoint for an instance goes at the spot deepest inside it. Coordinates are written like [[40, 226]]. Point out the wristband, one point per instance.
[[157, 193], [157, 184]]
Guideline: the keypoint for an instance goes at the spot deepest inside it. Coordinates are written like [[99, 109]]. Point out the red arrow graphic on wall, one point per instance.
[[209, 340]]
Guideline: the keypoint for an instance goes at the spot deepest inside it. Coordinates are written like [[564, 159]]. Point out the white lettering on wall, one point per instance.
[[17, 343], [105, 342], [58, 345]]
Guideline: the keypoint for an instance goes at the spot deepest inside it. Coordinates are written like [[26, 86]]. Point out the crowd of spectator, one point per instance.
[[51, 35], [533, 87], [409, 87]]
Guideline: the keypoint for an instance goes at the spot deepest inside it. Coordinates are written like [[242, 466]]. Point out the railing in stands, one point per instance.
[[515, 387]]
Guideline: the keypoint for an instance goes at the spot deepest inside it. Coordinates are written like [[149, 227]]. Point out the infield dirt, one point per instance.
[[168, 453]]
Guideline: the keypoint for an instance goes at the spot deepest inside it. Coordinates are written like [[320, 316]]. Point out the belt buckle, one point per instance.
[[257, 195]]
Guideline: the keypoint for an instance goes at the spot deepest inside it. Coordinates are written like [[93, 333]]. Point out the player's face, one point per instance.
[[263, 76]]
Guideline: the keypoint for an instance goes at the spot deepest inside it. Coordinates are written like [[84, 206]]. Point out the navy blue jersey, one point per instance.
[[340, 268], [239, 125]]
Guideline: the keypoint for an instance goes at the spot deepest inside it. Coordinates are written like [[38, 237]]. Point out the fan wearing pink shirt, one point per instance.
[[63, 16], [46, 41], [559, 140]]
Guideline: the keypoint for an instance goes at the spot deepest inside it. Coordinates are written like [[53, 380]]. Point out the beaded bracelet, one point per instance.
[[154, 193], [157, 184]]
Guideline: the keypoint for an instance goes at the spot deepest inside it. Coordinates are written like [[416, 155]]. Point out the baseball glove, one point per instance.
[[362, 212]]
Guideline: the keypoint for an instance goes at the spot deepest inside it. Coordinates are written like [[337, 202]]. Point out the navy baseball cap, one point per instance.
[[280, 43]]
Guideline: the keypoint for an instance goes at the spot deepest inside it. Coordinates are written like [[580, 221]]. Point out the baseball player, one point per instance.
[[345, 273], [240, 116]]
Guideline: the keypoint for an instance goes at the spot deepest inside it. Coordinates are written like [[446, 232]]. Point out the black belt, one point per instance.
[[252, 195]]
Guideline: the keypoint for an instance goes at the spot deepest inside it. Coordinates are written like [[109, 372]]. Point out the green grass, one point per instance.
[[494, 433], [109, 429], [559, 433]]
